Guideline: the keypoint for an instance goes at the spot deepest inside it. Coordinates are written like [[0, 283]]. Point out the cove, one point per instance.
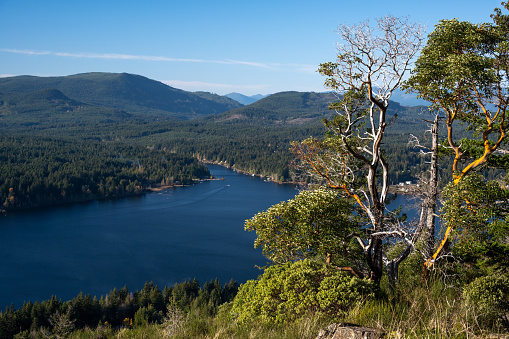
[[166, 237]]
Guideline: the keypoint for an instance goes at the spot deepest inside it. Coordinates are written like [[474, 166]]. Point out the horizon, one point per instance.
[[218, 47]]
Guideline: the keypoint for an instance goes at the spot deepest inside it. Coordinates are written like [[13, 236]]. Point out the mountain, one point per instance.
[[244, 99], [310, 108], [128, 92], [397, 96], [220, 98], [407, 99], [293, 108], [49, 108], [84, 103]]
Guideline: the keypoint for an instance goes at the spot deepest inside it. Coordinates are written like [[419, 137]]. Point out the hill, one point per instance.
[[128, 92], [293, 108], [50, 108], [308, 108], [253, 138]]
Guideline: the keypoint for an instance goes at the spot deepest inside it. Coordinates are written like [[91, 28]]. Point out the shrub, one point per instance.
[[292, 290], [489, 295], [338, 293], [147, 315]]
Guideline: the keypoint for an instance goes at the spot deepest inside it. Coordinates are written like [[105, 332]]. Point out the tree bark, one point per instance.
[[431, 198]]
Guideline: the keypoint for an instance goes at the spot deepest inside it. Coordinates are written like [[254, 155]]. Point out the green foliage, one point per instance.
[[63, 326], [456, 56], [118, 309], [489, 295], [294, 290], [463, 72], [478, 211], [42, 171], [338, 293], [314, 223], [147, 315]]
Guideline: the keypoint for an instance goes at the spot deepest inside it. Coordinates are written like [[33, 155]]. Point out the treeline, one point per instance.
[[60, 165], [60, 159], [44, 171], [119, 308], [254, 149], [255, 138]]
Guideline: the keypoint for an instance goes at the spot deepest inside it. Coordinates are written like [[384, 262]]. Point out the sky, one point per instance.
[[218, 46]]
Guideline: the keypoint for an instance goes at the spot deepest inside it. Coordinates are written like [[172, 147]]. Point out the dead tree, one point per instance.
[[370, 66], [430, 190]]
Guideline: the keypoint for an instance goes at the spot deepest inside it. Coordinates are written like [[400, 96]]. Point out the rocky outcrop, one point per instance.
[[350, 331]]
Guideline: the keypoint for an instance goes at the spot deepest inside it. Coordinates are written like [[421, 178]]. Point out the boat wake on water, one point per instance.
[[195, 199]]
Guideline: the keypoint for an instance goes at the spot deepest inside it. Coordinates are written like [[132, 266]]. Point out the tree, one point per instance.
[[315, 224], [370, 65], [429, 191], [479, 211], [463, 72], [62, 324]]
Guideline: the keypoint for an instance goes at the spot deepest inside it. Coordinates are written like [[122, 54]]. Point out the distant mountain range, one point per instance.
[[293, 108], [90, 98], [397, 96], [244, 99], [309, 108], [131, 93], [406, 99]]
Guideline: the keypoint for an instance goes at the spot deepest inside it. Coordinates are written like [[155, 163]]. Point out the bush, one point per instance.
[[147, 315], [288, 292], [489, 295], [338, 293]]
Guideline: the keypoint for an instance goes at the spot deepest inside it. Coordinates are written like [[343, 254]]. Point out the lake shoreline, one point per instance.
[[394, 189], [145, 190], [167, 237]]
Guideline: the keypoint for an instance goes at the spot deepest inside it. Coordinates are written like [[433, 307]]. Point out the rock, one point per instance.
[[349, 331]]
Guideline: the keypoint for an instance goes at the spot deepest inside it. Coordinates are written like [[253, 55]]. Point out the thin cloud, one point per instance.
[[248, 63], [116, 56]]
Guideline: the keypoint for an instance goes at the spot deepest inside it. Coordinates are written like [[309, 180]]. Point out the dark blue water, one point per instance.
[[167, 237]]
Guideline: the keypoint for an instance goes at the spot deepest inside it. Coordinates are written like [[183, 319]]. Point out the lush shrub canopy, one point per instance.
[[292, 290], [490, 297]]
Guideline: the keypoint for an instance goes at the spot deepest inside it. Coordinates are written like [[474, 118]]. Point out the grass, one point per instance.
[[426, 312], [417, 309]]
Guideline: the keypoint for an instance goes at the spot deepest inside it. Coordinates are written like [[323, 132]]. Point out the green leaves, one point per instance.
[[479, 212], [490, 297], [314, 223], [457, 58], [293, 290], [463, 72]]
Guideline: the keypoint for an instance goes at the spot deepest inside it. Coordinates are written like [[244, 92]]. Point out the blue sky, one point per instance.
[[218, 46]]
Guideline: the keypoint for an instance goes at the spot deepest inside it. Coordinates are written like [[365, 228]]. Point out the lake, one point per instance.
[[165, 237]]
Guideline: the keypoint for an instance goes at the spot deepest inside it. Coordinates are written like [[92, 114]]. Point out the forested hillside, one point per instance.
[[42, 171], [98, 124], [132, 93]]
